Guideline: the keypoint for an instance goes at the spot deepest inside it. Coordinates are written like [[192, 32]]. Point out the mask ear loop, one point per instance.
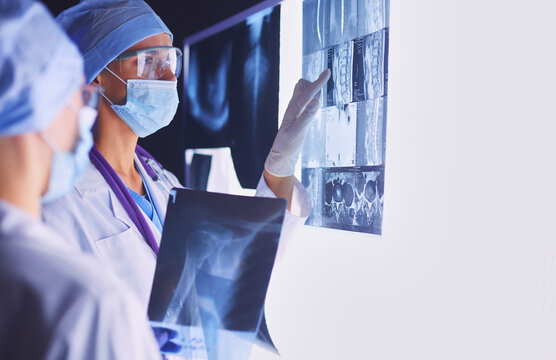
[[50, 142], [117, 77], [107, 99]]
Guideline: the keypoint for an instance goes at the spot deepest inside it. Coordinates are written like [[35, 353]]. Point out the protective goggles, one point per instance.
[[152, 63]]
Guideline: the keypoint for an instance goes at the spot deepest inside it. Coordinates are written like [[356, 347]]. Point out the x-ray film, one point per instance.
[[348, 198], [343, 156], [313, 66], [314, 147], [341, 126], [214, 265], [342, 72], [371, 132], [231, 91], [373, 15], [341, 21], [370, 66], [313, 25]]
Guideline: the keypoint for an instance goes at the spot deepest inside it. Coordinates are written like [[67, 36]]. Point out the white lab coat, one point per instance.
[[56, 303], [93, 216]]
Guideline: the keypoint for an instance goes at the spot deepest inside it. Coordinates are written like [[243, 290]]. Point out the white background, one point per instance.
[[466, 268]]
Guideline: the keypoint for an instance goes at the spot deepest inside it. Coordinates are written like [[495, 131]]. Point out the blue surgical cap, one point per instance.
[[40, 68], [104, 29]]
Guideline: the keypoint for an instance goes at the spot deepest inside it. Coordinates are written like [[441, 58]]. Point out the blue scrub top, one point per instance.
[[146, 204]]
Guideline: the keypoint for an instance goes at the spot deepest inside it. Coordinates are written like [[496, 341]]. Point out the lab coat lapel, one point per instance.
[[95, 185]]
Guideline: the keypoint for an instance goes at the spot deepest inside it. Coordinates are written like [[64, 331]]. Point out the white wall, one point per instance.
[[466, 268]]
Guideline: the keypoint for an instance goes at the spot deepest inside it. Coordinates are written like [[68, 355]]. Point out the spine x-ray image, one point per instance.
[[231, 92], [212, 273], [347, 140]]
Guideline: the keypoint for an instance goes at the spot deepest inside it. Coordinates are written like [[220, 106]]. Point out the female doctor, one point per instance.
[[116, 212]]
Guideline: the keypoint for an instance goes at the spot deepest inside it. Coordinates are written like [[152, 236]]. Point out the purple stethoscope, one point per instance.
[[123, 195]]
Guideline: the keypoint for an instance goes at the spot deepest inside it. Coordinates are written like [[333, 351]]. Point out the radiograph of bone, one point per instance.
[[373, 16], [313, 25], [312, 181], [231, 85], [341, 20], [344, 171], [353, 199], [207, 89], [342, 64], [369, 66], [314, 146], [313, 66], [331, 84], [256, 66], [341, 126], [214, 267], [371, 132]]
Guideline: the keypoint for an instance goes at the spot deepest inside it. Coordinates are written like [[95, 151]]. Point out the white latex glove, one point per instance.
[[289, 140]]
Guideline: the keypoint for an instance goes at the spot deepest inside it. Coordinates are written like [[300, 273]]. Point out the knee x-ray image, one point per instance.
[[214, 265], [231, 92], [343, 155]]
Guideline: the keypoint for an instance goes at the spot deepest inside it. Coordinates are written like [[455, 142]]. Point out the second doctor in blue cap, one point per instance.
[[55, 303], [118, 209]]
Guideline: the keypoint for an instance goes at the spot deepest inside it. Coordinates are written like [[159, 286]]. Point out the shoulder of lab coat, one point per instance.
[[61, 304], [294, 218]]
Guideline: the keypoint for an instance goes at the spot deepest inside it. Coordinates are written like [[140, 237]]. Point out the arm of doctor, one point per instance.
[[280, 164]]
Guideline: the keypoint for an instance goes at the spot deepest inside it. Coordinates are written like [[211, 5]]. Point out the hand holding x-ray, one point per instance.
[[302, 108]]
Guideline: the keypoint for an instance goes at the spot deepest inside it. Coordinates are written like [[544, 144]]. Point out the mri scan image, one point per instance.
[[343, 158], [369, 66], [341, 126], [341, 21], [342, 71], [313, 66], [353, 200], [346, 199], [371, 132], [373, 15], [314, 146], [312, 179], [313, 25]]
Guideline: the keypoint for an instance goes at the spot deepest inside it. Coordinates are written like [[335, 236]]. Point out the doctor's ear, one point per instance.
[[98, 79]]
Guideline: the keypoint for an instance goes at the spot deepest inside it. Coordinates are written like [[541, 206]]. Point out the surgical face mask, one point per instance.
[[68, 166], [150, 106]]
